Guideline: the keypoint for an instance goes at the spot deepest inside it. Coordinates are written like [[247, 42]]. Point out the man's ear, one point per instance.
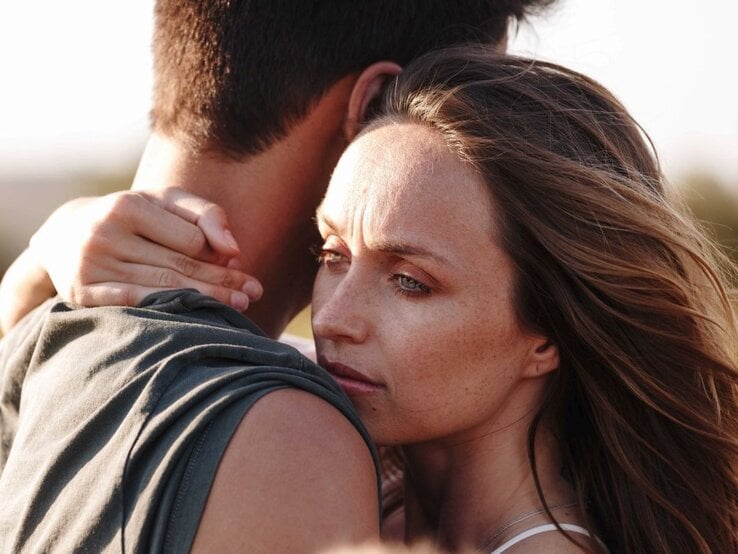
[[367, 87], [543, 358]]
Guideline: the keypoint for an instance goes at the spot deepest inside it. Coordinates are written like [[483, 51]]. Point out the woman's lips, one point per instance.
[[350, 380]]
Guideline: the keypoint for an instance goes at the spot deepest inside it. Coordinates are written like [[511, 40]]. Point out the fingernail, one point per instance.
[[234, 263], [253, 289], [239, 301], [230, 241]]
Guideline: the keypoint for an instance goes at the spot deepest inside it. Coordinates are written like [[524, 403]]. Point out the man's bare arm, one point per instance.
[[296, 477]]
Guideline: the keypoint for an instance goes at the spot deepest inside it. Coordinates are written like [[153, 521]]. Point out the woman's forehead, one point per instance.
[[402, 185], [400, 162]]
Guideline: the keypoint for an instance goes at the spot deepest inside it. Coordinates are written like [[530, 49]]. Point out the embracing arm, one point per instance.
[[296, 477], [25, 285], [117, 249]]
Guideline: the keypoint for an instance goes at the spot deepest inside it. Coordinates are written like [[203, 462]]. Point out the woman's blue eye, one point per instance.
[[408, 285]]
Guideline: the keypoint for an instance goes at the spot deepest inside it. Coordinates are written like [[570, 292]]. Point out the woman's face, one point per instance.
[[412, 306]]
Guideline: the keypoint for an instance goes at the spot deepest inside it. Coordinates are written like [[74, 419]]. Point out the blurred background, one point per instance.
[[76, 82]]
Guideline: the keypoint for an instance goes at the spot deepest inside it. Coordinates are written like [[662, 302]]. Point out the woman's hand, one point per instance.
[[119, 248]]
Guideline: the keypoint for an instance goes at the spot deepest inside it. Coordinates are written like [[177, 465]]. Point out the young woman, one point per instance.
[[508, 292]]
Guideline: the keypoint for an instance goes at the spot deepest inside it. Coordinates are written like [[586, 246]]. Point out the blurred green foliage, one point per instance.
[[716, 206]]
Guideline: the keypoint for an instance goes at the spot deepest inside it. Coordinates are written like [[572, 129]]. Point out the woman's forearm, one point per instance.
[[24, 286]]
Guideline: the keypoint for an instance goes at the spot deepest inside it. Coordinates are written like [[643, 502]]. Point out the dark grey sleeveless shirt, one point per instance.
[[113, 420]]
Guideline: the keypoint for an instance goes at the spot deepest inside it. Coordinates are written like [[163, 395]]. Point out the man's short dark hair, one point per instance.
[[234, 75]]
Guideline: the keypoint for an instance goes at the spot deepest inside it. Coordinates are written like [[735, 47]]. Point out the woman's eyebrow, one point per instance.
[[404, 249]]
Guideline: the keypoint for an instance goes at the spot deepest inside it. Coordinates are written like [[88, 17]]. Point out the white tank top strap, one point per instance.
[[537, 531]]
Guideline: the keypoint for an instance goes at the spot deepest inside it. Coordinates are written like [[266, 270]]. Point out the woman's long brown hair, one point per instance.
[[612, 270]]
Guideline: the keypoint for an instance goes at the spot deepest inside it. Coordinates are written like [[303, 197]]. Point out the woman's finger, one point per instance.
[[112, 293], [236, 283], [210, 218], [136, 213], [125, 213], [135, 252], [160, 278]]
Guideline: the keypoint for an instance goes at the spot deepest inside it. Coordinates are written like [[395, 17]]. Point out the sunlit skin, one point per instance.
[[416, 295]]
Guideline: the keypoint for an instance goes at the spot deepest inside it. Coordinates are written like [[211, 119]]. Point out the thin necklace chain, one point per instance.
[[521, 518]]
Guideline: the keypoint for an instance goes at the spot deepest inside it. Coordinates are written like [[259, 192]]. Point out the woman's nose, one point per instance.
[[340, 311]]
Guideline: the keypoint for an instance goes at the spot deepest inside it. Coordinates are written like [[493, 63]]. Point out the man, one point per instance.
[[139, 428]]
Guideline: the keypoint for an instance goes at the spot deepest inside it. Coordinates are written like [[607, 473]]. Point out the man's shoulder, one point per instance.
[[16, 351], [295, 453], [180, 324], [159, 392], [27, 329], [294, 420], [167, 321]]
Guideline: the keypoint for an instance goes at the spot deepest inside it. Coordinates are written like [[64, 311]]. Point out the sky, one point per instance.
[[76, 77], [76, 83]]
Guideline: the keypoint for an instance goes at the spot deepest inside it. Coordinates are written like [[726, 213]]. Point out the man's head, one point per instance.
[[233, 76], [255, 100]]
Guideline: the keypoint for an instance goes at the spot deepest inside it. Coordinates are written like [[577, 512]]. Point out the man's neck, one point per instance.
[[269, 198]]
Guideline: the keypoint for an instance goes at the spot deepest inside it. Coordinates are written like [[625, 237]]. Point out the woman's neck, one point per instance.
[[461, 492]]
